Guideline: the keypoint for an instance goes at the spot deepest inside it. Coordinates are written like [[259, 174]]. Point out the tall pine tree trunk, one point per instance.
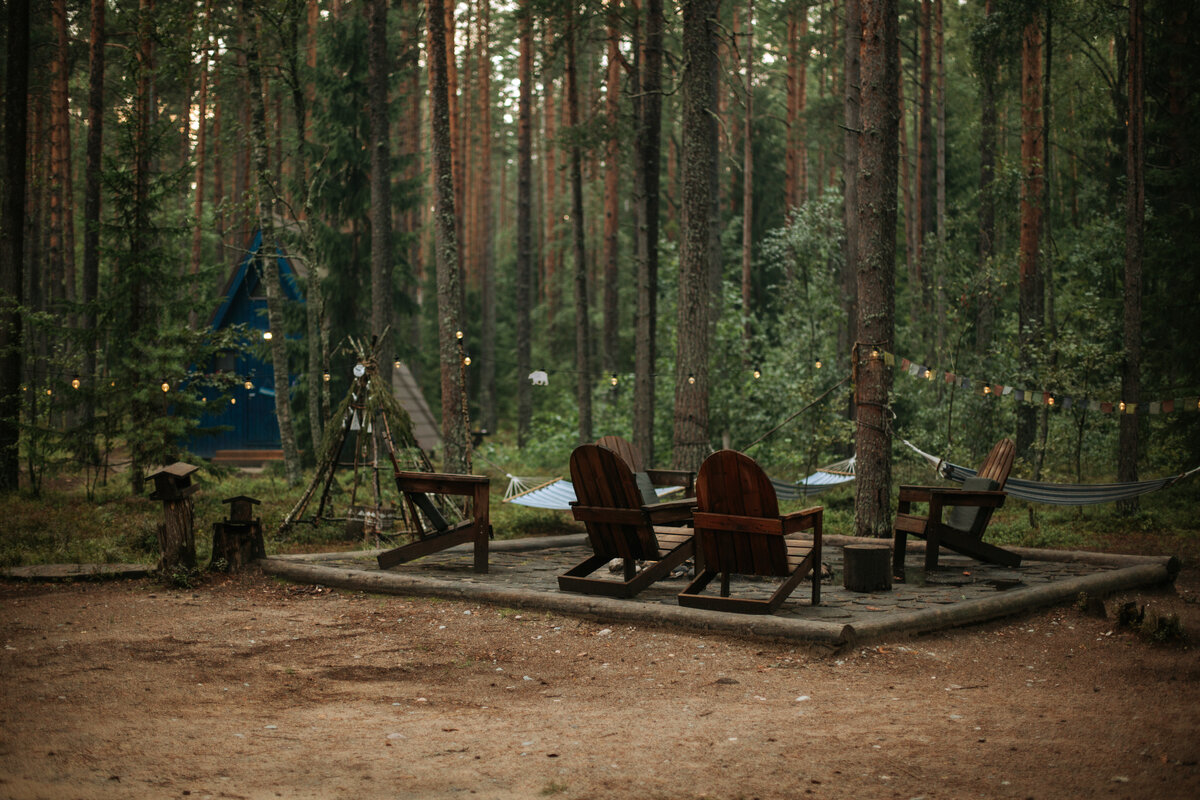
[[748, 180], [12, 239], [1135, 216], [851, 127], [926, 167], [455, 425], [486, 250], [583, 348], [525, 256], [91, 208], [690, 437], [267, 196], [201, 146], [986, 309], [612, 176], [378, 70], [1032, 162], [876, 268], [649, 152]]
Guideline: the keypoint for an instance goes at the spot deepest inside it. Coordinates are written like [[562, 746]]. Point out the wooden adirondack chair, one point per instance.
[[963, 527], [620, 525], [648, 479], [739, 530], [416, 487]]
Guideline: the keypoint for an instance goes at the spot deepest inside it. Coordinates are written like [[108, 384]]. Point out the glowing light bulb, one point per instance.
[[75, 382], [928, 374], [1050, 400], [267, 335], [458, 335], [248, 385], [467, 360], [691, 379], [325, 376], [987, 390], [1122, 406], [875, 352], [613, 379], [818, 364], [757, 373], [396, 362], [166, 387], [233, 401]]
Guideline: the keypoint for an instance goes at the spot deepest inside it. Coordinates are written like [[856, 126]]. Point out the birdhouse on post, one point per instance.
[[238, 540], [177, 533]]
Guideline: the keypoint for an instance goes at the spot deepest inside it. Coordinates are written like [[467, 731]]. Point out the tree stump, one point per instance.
[[176, 535], [237, 541], [867, 567]]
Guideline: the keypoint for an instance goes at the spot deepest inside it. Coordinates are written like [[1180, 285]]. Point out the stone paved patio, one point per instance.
[[962, 591]]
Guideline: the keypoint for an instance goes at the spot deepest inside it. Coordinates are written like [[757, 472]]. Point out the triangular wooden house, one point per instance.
[[245, 432]]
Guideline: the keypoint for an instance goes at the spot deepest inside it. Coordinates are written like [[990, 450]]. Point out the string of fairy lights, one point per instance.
[[1054, 400]]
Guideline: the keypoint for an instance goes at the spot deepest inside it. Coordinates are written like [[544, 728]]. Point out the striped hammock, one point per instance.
[[1058, 494], [558, 494]]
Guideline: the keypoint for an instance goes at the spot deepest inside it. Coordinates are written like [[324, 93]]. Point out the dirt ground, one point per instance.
[[251, 688]]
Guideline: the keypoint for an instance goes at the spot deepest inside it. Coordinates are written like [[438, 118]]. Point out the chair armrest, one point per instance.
[[673, 511], [803, 520], [962, 497], [439, 483], [916, 494]]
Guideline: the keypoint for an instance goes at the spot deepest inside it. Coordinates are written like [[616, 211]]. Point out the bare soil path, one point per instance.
[[251, 688]]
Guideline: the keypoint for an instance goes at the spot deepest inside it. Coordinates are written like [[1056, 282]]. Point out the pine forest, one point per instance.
[[809, 229]]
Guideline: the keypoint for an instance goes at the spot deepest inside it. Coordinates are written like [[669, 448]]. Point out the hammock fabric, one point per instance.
[[558, 494], [829, 477], [1058, 494]]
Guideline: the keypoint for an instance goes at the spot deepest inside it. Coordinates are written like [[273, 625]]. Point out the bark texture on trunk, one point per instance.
[[12, 239], [649, 170], [583, 345], [852, 124], [877, 172], [985, 314], [612, 176], [690, 436], [748, 180], [381, 183], [267, 200], [484, 224], [455, 425], [525, 255], [1135, 218], [1030, 302]]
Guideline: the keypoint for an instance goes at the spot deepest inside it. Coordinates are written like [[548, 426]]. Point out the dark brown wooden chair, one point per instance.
[[417, 488], [739, 531], [648, 479], [962, 529], [620, 525]]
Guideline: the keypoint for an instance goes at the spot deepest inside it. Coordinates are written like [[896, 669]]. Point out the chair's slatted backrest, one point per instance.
[[992, 476], [622, 447], [999, 462], [633, 458], [732, 484], [603, 480]]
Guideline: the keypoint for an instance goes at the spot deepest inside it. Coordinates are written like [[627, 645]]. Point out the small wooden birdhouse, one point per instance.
[[174, 482], [241, 508]]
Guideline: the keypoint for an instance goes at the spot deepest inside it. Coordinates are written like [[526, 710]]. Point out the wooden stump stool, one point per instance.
[[237, 541], [867, 567]]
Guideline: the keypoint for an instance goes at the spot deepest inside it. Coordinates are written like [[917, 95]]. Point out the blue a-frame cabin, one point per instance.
[[246, 431]]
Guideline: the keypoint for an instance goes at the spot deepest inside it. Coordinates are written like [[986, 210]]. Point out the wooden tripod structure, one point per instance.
[[380, 428]]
